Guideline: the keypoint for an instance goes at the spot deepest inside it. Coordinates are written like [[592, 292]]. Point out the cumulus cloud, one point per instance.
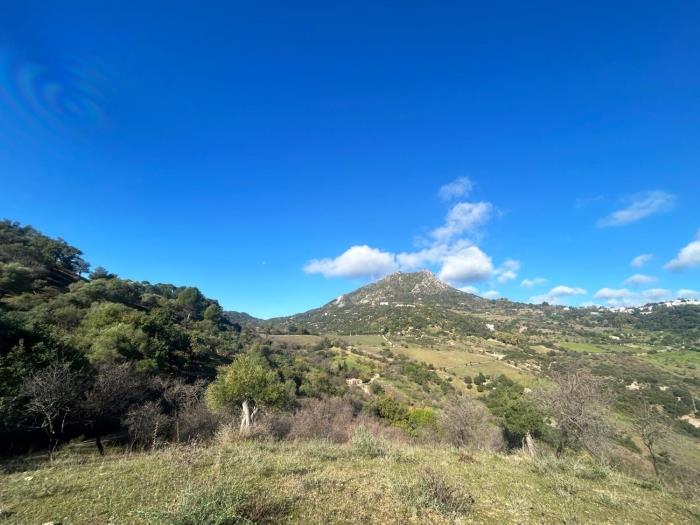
[[641, 260], [613, 293], [657, 294], [639, 279], [688, 257], [529, 283], [449, 249], [356, 261], [460, 187], [688, 294], [466, 265], [640, 206], [625, 297], [463, 217], [558, 294], [507, 271], [491, 294]]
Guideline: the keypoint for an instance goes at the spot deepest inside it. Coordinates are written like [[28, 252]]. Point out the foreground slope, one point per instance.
[[318, 482]]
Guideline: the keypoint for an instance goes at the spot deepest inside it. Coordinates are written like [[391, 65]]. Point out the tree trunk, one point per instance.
[[245, 417], [98, 444], [529, 445], [652, 456]]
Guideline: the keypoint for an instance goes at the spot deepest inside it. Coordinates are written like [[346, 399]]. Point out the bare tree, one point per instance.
[[147, 424], [178, 396], [114, 391], [577, 403], [652, 427], [466, 422], [53, 395]]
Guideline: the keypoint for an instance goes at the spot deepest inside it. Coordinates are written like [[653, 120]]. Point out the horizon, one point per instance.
[[278, 157]]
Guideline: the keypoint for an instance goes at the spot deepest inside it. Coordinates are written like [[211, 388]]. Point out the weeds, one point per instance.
[[430, 490], [367, 445], [230, 504]]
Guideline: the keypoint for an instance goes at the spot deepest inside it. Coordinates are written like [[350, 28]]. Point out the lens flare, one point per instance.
[[61, 95]]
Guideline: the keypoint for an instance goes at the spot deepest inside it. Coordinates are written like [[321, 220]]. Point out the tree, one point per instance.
[[115, 390], [519, 415], [576, 403], [191, 300], [53, 395], [177, 397], [466, 422], [250, 383], [652, 427], [213, 313]]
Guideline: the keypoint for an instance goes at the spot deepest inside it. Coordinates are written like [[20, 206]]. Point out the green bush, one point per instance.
[[430, 490], [229, 505], [366, 445]]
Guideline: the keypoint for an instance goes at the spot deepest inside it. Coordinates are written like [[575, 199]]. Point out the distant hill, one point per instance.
[[416, 302], [419, 304]]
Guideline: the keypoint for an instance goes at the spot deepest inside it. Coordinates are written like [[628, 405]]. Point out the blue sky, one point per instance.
[[278, 155]]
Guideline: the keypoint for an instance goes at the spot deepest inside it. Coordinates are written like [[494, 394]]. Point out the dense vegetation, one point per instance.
[[403, 363]]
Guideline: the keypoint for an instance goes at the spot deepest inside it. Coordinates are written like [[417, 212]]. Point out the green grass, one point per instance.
[[682, 362], [315, 483], [582, 347]]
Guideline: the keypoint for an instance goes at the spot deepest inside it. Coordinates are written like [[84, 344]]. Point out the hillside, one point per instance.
[[404, 386], [320, 482]]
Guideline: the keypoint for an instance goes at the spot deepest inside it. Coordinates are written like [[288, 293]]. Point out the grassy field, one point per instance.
[[582, 347], [685, 363], [462, 362], [318, 483]]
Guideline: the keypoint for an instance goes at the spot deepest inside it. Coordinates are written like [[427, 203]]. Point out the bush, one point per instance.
[[330, 419], [197, 422], [366, 445], [147, 425], [431, 490], [466, 422], [232, 504]]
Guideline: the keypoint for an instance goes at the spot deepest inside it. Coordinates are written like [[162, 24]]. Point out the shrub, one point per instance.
[[466, 422], [197, 422], [330, 419], [232, 504], [367, 445], [147, 425], [432, 491]]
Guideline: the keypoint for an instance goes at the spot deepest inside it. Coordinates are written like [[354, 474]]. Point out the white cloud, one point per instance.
[[613, 293], [463, 217], [639, 279], [557, 294], [688, 294], [529, 283], [491, 294], [626, 297], [688, 257], [641, 260], [466, 265], [459, 187], [447, 249], [657, 294], [507, 271], [432, 255], [356, 261], [640, 206]]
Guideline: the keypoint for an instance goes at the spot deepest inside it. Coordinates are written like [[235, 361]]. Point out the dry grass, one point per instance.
[[319, 482]]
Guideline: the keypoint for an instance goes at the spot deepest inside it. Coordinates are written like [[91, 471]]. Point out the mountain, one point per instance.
[[415, 303], [419, 305], [403, 289]]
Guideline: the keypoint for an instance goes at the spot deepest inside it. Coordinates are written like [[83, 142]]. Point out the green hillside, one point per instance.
[[406, 386]]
